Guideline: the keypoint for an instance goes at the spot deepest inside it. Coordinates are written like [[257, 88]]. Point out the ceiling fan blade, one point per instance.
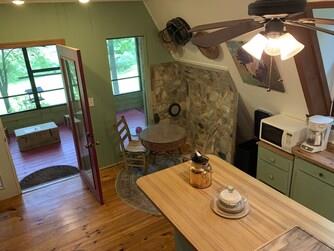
[[217, 25], [308, 26], [225, 34], [295, 15], [317, 21]]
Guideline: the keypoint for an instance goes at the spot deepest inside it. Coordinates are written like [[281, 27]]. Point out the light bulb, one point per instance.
[[84, 1], [256, 45], [273, 47], [289, 46], [18, 2]]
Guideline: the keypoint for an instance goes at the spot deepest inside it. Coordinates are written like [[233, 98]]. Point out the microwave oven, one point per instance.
[[283, 132]]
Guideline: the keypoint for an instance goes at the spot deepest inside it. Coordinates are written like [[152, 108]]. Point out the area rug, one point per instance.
[[48, 174], [128, 190]]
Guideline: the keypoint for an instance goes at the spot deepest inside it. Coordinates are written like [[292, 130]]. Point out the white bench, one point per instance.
[[37, 135]]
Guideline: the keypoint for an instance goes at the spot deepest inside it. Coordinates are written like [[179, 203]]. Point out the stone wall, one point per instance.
[[208, 101]]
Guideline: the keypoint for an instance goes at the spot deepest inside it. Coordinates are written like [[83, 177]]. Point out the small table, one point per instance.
[[163, 138], [36, 136]]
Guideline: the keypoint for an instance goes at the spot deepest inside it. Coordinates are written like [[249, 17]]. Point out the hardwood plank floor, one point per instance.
[[65, 216], [52, 155]]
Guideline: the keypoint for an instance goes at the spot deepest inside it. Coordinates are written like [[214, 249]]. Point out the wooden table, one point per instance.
[[162, 138], [188, 209]]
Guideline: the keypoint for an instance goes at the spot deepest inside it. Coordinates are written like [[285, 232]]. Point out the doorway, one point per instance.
[[33, 110], [128, 85]]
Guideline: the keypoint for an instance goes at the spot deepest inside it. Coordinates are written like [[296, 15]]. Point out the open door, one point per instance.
[[78, 106], [9, 186]]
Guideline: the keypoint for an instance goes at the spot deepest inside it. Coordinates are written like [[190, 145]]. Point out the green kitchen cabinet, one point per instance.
[[274, 170], [313, 187]]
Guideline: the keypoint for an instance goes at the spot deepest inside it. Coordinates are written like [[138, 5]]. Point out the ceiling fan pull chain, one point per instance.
[[270, 72]]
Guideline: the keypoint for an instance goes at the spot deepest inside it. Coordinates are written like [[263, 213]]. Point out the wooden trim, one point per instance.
[[14, 45], [311, 70], [320, 4]]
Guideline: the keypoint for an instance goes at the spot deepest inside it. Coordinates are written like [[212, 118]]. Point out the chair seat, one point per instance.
[[135, 146]]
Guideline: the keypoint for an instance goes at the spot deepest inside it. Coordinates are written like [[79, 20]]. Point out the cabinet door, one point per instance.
[[313, 187]]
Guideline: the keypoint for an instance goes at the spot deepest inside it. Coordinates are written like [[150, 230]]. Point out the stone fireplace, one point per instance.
[[208, 100]]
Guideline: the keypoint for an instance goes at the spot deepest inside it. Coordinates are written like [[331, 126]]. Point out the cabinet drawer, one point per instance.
[[315, 171], [274, 176], [275, 159]]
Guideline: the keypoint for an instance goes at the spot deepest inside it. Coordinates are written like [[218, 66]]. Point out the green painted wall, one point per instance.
[[129, 101], [29, 118], [87, 27]]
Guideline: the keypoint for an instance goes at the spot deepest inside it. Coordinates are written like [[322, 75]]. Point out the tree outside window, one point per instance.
[[30, 78], [124, 63]]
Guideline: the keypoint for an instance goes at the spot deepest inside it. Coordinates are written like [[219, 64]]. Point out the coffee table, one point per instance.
[[163, 138], [37, 135]]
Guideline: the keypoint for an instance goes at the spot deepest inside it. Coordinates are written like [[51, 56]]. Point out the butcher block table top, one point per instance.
[[188, 209]]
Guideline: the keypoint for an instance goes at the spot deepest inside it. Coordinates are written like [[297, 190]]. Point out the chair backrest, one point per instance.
[[123, 132]]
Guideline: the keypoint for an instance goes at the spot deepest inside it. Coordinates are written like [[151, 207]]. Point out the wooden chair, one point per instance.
[[134, 153]]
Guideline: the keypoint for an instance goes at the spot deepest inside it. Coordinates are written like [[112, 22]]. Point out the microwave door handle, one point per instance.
[[284, 141]]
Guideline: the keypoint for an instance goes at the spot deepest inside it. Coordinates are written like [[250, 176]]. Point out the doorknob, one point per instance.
[[88, 145], [97, 143]]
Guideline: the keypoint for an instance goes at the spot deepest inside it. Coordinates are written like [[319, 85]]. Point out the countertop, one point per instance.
[[324, 159], [188, 209]]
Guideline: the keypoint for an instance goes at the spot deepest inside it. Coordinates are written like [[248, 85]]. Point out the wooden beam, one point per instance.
[[14, 45], [311, 70]]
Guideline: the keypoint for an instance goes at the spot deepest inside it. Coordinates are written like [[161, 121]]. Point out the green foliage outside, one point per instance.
[[13, 69], [125, 53]]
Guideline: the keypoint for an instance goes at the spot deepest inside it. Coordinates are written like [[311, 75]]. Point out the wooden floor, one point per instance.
[[52, 155], [65, 216]]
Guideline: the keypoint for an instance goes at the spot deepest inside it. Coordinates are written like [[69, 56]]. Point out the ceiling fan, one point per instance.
[[272, 15]]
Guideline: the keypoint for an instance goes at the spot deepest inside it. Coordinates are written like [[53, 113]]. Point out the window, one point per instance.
[[124, 62], [30, 78]]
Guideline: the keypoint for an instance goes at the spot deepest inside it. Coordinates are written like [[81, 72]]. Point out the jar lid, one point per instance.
[[230, 196], [197, 157]]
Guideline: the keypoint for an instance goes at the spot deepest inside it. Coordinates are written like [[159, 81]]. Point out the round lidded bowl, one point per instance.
[[230, 197]]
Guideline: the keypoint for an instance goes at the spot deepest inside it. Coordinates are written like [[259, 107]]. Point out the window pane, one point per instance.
[[123, 57], [126, 85], [42, 57], [49, 80], [13, 73], [17, 104], [52, 98]]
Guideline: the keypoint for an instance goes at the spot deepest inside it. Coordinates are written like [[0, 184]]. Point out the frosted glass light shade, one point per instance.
[[18, 2], [256, 45], [84, 1], [289, 46], [273, 47]]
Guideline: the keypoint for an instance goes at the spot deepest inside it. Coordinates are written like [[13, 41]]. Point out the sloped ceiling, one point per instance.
[[197, 12]]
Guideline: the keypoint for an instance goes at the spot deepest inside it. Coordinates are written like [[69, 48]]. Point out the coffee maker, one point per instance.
[[317, 133]]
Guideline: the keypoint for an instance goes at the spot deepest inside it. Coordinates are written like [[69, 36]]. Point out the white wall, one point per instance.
[[197, 12]]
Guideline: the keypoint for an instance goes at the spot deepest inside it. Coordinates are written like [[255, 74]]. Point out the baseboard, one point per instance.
[[112, 165]]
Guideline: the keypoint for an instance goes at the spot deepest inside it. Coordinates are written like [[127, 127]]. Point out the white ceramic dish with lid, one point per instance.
[[230, 197]]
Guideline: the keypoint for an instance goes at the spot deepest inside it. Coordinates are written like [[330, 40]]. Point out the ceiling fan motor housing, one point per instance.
[[276, 7]]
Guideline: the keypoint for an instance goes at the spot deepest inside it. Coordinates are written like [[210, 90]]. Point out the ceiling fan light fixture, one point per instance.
[[273, 47], [256, 46], [290, 46], [18, 2]]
